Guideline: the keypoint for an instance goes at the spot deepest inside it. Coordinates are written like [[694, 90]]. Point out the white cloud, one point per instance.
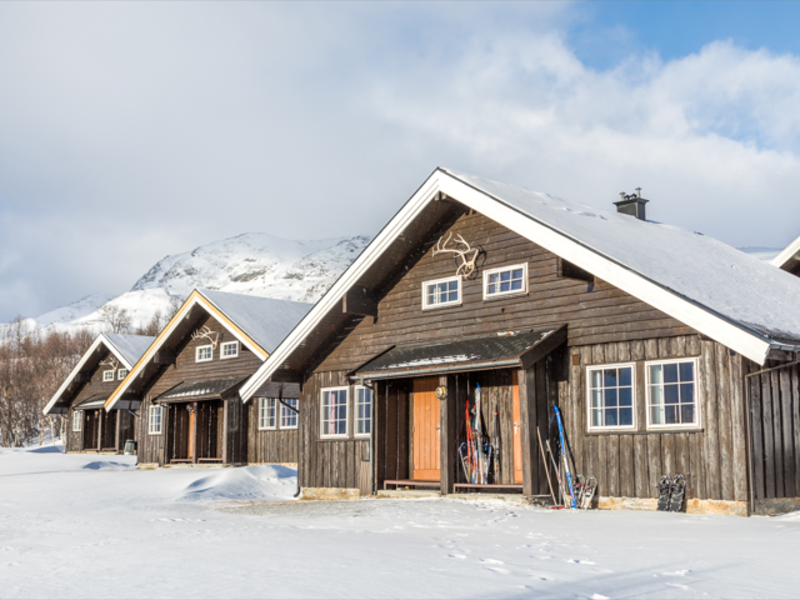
[[129, 131]]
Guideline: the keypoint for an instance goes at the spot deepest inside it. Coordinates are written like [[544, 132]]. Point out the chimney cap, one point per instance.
[[632, 204]]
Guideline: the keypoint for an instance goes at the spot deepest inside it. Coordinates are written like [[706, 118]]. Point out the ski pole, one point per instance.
[[546, 470], [566, 460]]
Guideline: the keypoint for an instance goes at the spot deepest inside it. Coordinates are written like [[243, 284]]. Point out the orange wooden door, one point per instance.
[[191, 433], [426, 430], [517, 429]]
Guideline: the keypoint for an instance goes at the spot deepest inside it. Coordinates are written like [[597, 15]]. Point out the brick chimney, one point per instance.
[[632, 204]]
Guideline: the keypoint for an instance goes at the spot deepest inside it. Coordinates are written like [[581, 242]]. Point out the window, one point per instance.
[[203, 353], [333, 413], [229, 350], [505, 281], [77, 419], [672, 393], [442, 292], [289, 416], [108, 375], [611, 396], [122, 373], [154, 420], [363, 410], [267, 413]]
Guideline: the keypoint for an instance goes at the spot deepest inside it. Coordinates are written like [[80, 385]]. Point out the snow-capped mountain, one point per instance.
[[252, 263]]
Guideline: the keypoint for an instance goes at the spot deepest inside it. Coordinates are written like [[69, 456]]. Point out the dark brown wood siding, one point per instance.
[[186, 369], [775, 410], [604, 314], [94, 387], [327, 463], [270, 445], [630, 464]]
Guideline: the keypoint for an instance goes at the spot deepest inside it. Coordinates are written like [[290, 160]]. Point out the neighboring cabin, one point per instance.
[[788, 259], [185, 386], [648, 337], [84, 392]]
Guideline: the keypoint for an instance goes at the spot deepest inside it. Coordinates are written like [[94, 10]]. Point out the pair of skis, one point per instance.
[[582, 491], [476, 453], [671, 492]]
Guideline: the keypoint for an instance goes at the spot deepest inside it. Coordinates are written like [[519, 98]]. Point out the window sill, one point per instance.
[[505, 296], [643, 432], [442, 306]]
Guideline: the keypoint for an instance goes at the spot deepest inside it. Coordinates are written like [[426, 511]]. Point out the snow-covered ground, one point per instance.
[[79, 526]]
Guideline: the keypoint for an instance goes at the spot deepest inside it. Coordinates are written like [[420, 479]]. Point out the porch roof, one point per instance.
[[502, 349], [206, 389], [96, 401]]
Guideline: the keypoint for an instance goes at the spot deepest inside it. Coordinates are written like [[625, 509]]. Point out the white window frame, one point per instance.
[[197, 353], [589, 370], [322, 421], [108, 375], [223, 356], [151, 418], [487, 273], [698, 424], [286, 412], [427, 306], [356, 404], [77, 420], [263, 404], [122, 374]]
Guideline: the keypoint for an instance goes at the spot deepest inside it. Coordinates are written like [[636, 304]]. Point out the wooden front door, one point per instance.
[[426, 430], [191, 433], [516, 428]]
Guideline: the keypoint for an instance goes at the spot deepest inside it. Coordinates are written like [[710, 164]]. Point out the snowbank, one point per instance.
[[253, 483]]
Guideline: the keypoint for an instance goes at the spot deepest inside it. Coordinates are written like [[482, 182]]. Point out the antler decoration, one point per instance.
[[111, 361], [467, 254], [205, 332]]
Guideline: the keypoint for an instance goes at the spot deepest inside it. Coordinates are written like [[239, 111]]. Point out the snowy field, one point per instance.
[[78, 526]]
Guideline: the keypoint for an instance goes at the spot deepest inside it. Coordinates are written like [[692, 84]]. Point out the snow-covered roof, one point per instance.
[[266, 320], [258, 323], [127, 348], [791, 251], [736, 299]]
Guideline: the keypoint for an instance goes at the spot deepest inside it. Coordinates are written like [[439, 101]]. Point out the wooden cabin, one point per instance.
[[656, 344], [84, 392], [184, 388]]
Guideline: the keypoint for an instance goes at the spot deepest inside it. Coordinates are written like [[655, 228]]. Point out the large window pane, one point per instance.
[[670, 394], [607, 394]]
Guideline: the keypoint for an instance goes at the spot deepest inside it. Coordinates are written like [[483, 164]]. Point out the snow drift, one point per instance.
[[252, 483]]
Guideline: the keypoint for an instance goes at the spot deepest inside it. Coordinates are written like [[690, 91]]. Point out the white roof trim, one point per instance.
[[786, 254], [196, 298], [747, 342], [100, 339]]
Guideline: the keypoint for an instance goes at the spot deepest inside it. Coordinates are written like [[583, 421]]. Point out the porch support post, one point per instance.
[[99, 414], [446, 432], [528, 417], [165, 436], [117, 423], [225, 421], [194, 431]]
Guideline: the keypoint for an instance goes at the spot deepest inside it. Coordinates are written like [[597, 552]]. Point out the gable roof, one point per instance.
[[740, 301], [258, 323], [127, 349]]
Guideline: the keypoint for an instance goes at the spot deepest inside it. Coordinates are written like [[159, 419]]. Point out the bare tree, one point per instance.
[[117, 319]]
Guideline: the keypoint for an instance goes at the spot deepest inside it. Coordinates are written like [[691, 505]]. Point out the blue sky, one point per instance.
[[605, 32], [129, 131]]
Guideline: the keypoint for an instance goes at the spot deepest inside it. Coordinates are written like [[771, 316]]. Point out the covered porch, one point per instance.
[[198, 421], [434, 431], [99, 428]]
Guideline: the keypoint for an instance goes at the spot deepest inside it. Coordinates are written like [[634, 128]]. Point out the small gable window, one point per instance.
[[229, 350], [122, 373], [154, 420], [505, 281], [441, 292], [108, 375], [204, 353], [77, 419]]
